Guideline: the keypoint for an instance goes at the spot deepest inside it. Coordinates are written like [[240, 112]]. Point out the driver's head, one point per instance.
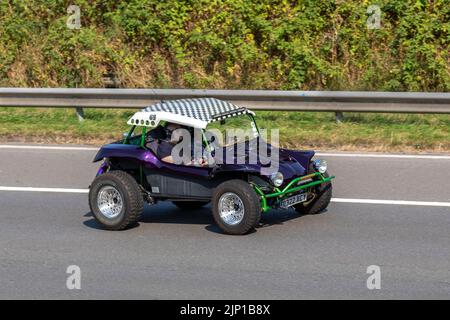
[[173, 137]]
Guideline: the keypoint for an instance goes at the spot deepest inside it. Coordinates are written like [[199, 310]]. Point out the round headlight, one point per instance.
[[320, 165], [277, 179]]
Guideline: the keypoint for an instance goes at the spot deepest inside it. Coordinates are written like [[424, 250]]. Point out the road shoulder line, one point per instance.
[[337, 200], [320, 154]]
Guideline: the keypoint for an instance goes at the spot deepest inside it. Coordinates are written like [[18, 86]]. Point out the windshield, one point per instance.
[[232, 130]]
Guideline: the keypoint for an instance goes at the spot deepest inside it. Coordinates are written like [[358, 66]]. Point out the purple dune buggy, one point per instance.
[[132, 173]]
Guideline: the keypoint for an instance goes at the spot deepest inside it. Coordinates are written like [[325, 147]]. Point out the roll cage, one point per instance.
[[146, 125]]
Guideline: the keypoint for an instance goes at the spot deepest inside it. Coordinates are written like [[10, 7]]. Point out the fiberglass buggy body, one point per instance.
[[239, 192]]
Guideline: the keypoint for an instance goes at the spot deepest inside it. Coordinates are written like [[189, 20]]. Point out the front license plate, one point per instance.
[[289, 202]]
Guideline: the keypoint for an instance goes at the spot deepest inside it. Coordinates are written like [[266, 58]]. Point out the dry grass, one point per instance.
[[303, 130]]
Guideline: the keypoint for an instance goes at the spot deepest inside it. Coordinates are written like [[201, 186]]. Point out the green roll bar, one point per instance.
[[141, 144], [130, 133], [290, 189]]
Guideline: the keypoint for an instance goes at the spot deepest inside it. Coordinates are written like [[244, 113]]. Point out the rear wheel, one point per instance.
[[236, 207], [190, 205], [320, 202], [116, 200]]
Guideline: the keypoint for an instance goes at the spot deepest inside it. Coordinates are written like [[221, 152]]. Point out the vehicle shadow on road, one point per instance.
[[173, 215], [165, 214], [277, 217]]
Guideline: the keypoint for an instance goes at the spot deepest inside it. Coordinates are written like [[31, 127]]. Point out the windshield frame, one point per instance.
[[253, 126]]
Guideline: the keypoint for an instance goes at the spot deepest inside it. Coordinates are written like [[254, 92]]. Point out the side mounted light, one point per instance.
[[277, 179], [320, 165]]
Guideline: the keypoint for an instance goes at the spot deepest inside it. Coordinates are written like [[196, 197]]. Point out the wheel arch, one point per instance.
[[126, 164]]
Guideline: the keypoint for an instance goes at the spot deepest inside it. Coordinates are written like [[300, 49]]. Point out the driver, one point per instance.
[[163, 147]]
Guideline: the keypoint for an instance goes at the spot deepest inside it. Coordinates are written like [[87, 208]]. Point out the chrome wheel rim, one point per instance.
[[231, 208], [109, 202]]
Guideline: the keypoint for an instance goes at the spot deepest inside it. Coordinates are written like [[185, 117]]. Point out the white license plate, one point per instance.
[[289, 202]]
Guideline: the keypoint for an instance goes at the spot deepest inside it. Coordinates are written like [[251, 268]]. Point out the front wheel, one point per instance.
[[236, 207], [116, 200], [318, 204], [321, 200]]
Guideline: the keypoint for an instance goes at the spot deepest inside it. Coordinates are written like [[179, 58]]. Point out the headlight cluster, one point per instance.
[[277, 179], [320, 165]]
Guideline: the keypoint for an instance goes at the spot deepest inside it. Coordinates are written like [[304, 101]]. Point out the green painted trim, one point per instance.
[[264, 206], [205, 141], [144, 132], [288, 189], [141, 168], [130, 132]]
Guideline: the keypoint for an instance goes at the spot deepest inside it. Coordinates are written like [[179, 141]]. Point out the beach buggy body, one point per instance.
[[132, 174]]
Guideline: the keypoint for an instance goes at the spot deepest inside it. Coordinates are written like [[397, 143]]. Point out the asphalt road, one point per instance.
[[175, 254]]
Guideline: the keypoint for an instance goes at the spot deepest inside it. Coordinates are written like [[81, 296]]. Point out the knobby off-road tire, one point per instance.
[[116, 200], [190, 205], [321, 201], [246, 207]]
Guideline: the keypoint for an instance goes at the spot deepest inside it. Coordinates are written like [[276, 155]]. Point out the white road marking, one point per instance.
[[395, 156], [33, 189], [393, 202], [7, 146], [320, 154], [339, 200]]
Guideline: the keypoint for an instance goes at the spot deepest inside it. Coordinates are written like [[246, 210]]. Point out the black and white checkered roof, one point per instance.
[[205, 109]]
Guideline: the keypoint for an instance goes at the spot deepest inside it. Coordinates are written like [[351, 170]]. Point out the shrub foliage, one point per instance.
[[257, 44]]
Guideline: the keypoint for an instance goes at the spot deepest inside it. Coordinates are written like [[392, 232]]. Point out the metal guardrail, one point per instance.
[[334, 101]]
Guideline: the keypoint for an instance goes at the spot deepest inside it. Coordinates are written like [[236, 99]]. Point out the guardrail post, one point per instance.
[[110, 80], [339, 116], [80, 113]]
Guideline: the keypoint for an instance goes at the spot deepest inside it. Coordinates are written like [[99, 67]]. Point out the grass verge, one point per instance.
[[358, 132]]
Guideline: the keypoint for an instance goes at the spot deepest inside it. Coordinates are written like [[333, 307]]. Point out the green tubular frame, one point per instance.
[[141, 168], [127, 139], [205, 141], [289, 189], [130, 133], [144, 132]]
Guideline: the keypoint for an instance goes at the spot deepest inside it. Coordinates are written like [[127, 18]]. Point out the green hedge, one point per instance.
[[258, 44]]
